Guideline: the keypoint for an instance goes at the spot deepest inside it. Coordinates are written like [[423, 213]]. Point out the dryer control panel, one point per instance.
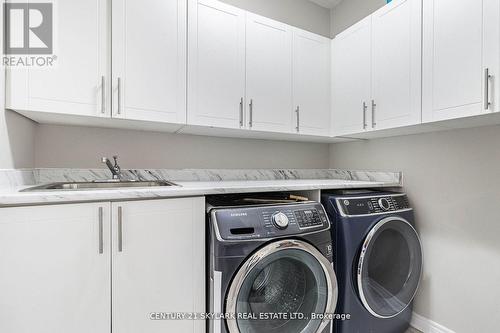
[[247, 223], [355, 206]]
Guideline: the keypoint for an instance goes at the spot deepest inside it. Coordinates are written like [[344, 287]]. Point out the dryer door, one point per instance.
[[279, 287], [389, 267]]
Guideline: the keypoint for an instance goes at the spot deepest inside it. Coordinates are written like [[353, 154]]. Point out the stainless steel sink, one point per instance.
[[97, 185]]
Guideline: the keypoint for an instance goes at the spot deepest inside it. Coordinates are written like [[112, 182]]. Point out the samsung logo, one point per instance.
[[238, 214]]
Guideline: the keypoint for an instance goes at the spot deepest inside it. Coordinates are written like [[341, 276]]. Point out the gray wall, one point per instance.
[[81, 147], [16, 140], [349, 12], [299, 13], [453, 181], [16, 136]]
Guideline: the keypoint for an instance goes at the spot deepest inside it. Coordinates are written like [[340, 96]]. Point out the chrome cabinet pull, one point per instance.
[[487, 78], [103, 95], [119, 108], [250, 121], [365, 108], [120, 229], [297, 111], [241, 112], [101, 236], [374, 123]]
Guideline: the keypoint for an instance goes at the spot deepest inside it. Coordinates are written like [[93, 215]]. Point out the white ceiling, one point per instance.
[[327, 3]]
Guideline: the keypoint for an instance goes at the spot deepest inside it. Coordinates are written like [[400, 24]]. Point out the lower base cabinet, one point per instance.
[[158, 264], [102, 267]]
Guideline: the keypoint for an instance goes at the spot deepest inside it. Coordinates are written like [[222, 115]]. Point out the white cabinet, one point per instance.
[[268, 74], [216, 71], [115, 58], [461, 43], [55, 269], [158, 259], [311, 83], [78, 83], [397, 64], [377, 71], [149, 60], [351, 82], [58, 265], [241, 69]]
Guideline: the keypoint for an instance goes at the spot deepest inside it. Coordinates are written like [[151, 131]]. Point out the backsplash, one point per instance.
[[12, 178]]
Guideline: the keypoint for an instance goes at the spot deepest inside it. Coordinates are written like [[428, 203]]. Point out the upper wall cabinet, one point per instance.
[[351, 80], [144, 80], [216, 71], [149, 60], [377, 71], [250, 72], [311, 83], [397, 65], [78, 84], [268, 74], [461, 58]]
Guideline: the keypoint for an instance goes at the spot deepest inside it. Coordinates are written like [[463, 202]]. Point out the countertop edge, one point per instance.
[[17, 199]]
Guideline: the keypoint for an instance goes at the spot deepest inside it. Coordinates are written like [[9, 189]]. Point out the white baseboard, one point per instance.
[[427, 326]]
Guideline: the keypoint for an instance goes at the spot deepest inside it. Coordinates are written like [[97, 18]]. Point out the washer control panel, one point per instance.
[[353, 206], [240, 223], [310, 218]]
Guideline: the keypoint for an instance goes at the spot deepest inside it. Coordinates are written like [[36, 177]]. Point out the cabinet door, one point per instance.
[[149, 60], [269, 74], [158, 264], [455, 54], [77, 83], [311, 82], [491, 55], [396, 64], [55, 269], [216, 85], [352, 79]]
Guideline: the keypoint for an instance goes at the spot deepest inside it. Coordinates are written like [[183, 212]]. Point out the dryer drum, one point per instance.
[[284, 278], [389, 267]]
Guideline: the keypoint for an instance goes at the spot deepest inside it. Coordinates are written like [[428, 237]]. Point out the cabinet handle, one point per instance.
[[374, 123], [101, 236], [365, 108], [297, 111], [119, 108], [487, 77], [103, 95], [120, 229], [250, 121], [241, 112]]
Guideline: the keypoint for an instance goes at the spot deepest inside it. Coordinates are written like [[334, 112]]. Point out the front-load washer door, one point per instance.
[[389, 267], [280, 289]]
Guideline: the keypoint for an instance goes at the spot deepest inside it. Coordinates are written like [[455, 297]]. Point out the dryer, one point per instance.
[[270, 268], [378, 260]]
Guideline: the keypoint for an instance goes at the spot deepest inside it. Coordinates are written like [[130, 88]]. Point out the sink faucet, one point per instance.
[[115, 169]]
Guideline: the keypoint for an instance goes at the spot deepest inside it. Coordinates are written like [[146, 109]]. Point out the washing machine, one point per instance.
[[378, 260], [270, 268]]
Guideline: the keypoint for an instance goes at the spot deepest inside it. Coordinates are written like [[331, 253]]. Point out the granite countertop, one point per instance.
[[191, 183]]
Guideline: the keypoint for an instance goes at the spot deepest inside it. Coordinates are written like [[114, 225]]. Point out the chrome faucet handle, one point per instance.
[[116, 166], [115, 169]]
